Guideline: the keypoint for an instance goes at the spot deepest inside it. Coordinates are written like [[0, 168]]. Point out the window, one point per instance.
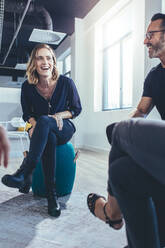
[[67, 66], [117, 74], [117, 59], [163, 6], [64, 65]]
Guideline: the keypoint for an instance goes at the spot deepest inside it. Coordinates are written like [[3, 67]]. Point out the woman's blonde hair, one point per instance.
[[31, 72]]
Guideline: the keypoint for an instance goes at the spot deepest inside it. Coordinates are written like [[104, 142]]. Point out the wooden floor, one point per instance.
[[92, 170]]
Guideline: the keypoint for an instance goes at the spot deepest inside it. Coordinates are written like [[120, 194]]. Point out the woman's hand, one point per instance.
[[60, 116], [33, 122], [4, 147], [58, 119], [30, 132]]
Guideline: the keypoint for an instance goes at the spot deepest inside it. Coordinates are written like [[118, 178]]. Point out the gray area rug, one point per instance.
[[24, 222]]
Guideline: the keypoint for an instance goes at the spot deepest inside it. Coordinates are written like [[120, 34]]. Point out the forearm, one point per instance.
[[64, 115], [60, 116], [137, 113], [144, 108]]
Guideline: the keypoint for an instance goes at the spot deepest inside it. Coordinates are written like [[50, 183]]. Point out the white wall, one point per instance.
[[91, 125], [8, 95], [9, 101]]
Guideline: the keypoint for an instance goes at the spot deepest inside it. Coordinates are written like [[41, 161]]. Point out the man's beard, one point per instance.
[[157, 49]]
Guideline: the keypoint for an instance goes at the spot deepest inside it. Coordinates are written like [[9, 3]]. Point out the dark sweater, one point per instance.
[[154, 87], [65, 97]]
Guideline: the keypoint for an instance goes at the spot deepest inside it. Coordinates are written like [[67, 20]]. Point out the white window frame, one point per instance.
[[65, 72], [99, 75], [105, 105], [62, 59]]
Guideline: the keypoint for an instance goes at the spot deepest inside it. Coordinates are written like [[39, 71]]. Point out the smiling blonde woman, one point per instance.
[[48, 102]]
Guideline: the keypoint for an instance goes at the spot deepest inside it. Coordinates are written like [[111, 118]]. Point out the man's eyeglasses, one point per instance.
[[150, 33]]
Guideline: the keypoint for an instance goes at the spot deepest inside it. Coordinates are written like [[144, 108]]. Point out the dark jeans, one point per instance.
[[134, 187], [160, 212], [45, 138]]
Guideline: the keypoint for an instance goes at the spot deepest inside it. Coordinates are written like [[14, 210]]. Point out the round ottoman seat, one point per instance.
[[64, 174]]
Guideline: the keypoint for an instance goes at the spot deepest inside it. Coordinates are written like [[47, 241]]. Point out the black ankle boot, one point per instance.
[[53, 205], [18, 179]]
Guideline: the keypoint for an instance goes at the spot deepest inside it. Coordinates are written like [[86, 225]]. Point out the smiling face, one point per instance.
[[44, 63], [156, 43]]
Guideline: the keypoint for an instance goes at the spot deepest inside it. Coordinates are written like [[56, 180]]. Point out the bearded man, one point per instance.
[[154, 85], [154, 91]]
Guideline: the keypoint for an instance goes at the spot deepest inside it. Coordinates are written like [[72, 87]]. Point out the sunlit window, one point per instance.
[[60, 66], [112, 77], [127, 77], [64, 66], [163, 6], [117, 54], [68, 64]]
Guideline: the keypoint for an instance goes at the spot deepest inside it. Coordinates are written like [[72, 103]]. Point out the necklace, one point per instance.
[[47, 90]]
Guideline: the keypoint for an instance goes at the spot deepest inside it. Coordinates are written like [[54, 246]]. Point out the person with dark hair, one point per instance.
[[159, 16], [48, 102], [153, 95], [4, 147], [153, 91]]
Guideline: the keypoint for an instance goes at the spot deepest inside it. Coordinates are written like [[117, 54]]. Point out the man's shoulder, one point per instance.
[[155, 73], [156, 68]]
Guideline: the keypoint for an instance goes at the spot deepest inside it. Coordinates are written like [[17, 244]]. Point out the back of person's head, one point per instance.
[[159, 16]]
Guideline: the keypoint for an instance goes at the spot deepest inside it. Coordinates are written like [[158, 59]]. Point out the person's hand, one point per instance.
[[4, 147], [30, 132], [33, 122], [58, 119]]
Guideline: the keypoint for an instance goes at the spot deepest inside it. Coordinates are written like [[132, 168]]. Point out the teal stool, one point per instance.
[[65, 172]]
